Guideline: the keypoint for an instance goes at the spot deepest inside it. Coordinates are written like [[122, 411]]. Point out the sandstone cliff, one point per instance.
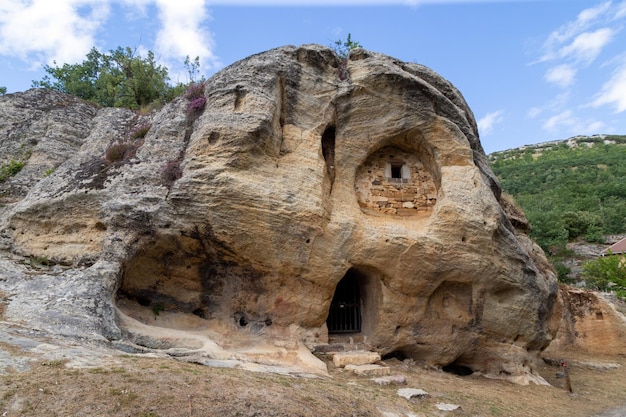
[[306, 186]]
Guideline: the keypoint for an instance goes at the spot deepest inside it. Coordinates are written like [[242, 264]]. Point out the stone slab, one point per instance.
[[368, 370], [355, 358], [409, 393]]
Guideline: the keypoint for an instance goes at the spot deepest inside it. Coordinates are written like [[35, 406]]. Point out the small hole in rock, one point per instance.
[[200, 313], [268, 321], [308, 241], [243, 322], [143, 301]]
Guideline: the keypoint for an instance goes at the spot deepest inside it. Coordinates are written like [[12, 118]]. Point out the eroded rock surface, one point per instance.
[[311, 199], [591, 323]]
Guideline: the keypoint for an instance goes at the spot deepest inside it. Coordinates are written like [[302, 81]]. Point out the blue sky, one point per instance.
[[531, 71]]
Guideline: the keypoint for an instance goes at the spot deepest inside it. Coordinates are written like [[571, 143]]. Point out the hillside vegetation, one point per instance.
[[570, 189]]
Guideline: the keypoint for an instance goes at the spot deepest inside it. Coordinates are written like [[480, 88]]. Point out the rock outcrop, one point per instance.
[[591, 323], [314, 195]]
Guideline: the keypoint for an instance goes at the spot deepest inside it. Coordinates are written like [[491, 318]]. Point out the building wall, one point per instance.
[[395, 183]]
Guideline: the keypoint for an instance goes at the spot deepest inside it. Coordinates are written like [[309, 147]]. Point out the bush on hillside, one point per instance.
[[607, 273]]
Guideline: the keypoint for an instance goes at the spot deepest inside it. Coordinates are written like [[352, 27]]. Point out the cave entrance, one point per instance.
[[344, 315]]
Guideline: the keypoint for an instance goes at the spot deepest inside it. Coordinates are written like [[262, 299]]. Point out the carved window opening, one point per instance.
[[396, 171], [395, 182]]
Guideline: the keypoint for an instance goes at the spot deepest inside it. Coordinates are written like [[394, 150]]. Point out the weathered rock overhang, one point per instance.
[[303, 170]]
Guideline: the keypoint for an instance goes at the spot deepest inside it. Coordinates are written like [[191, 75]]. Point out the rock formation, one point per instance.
[[591, 323], [313, 193]]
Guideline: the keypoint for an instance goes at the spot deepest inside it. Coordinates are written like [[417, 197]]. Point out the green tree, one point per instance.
[[3, 91], [118, 78], [607, 273], [342, 48], [568, 192]]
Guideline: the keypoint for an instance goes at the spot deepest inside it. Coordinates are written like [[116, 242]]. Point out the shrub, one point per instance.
[[196, 106], [194, 91], [171, 172], [607, 273], [121, 151], [115, 152], [9, 170], [140, 131], [343, 48], [197, 100], [562, 271]]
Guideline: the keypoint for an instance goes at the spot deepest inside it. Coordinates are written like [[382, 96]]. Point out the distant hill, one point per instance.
[[571, 189]]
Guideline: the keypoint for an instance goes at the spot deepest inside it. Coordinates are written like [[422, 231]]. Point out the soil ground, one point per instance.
[[151, 387]]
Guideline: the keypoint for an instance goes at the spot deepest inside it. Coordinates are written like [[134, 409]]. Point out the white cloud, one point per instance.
[[559, 121], [562, 75], [583, 21], [488, 121], [182, 32], [558, 102], [579, 34], [578, 55], [587, 46], [613, 91], [566, 123], [296, 3], [621, 10], [41, 31]]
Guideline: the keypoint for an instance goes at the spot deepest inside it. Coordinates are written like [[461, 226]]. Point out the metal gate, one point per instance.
[[345, 309]]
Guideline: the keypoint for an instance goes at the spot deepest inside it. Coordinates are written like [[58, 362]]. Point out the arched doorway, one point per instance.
[[344, 315]]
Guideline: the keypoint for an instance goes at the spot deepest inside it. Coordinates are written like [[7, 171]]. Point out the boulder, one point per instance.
[[311, 195], [590, 323]]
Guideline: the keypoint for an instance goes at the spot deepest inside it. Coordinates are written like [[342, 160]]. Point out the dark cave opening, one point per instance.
[[456, 369], [344, 315], [328, 151]]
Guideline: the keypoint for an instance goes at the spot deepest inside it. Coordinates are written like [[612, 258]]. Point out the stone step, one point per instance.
[[368, 370], [359, 357]]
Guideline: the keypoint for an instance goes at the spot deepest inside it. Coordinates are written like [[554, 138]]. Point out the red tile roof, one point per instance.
[[619, 247]]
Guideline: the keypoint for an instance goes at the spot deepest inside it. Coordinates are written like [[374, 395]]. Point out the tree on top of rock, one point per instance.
[[118, 78], [343, 48]]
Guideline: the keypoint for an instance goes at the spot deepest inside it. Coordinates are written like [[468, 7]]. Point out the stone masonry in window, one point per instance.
[[396, 183]]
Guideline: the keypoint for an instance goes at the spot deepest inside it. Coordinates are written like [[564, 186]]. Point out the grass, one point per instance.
[[10, 169], [140, 386]]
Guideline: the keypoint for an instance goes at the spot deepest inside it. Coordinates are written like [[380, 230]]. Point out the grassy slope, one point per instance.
[[572, 189], [146, 387]]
